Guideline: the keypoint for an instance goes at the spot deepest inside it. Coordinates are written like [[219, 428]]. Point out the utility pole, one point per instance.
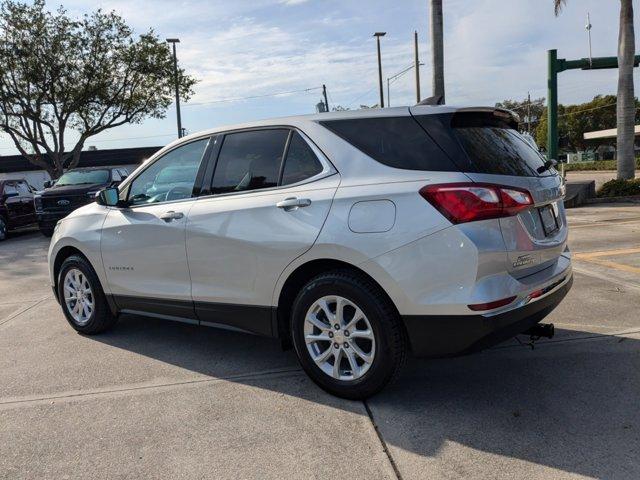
[[378, 35], [529, 113], [416, 66], [437, 49], [588, 27], [393, 78], [173, 41], [324, 94]]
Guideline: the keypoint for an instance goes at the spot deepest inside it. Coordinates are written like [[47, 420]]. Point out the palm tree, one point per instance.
[[437, 49], [626, 108]]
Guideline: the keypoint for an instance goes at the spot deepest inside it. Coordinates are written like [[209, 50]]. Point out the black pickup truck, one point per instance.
[[72, 190], [16, 205]]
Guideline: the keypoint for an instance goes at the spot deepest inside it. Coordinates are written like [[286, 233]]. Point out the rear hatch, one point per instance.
[[484, 144]]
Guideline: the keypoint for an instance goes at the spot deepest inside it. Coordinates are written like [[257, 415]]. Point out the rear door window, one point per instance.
[[398, 142], [301, 163], [249, 160]]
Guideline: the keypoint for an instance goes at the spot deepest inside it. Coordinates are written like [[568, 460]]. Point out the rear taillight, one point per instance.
[[468, 202]]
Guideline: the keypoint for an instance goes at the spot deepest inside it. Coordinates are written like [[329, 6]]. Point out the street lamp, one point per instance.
[[393, 78], [173, 42], [378, 35]]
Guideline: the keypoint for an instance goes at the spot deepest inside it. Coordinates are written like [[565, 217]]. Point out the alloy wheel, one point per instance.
[[78, 296], [339, 338]]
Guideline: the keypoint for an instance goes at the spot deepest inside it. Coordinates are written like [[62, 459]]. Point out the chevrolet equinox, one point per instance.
[[358, 238]]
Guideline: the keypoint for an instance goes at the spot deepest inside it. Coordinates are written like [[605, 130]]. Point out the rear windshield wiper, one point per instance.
[[547, 166]]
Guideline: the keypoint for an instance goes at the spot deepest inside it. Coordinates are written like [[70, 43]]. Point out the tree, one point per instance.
[[575, 120], [530, 112], [437, 49], [60, 75], [625, 108]]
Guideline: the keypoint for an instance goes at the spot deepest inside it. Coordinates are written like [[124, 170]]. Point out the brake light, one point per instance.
[[469, 202]]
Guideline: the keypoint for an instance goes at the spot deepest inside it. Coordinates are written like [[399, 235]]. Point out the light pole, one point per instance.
[[378, 35], [393, 78], [173, 42]]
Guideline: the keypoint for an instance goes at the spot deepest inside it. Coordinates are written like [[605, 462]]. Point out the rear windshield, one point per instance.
[[494, 146], [398, 142]]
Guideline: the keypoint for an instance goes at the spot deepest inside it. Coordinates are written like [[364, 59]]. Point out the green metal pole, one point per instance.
[[552, 105]]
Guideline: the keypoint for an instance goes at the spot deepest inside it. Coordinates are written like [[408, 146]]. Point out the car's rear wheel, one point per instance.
[[347, 334], [82, 298], [3, 229]]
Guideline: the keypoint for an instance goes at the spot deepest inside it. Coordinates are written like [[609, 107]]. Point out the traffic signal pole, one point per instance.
[[556, 65]]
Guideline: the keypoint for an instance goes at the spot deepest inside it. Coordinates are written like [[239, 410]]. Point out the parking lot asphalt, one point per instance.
[[156, 399]]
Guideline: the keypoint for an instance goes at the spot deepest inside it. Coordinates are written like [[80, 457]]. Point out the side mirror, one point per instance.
[[109, 197], [47, 184], [11, 194]]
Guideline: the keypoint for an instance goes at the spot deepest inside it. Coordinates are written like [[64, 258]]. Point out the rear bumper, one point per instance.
[[450, 335]]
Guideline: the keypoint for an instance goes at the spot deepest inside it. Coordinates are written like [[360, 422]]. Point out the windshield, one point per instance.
[[83, 177]]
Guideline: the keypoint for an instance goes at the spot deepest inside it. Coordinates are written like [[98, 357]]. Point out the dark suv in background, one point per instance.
[[16, 205], [73, 189]]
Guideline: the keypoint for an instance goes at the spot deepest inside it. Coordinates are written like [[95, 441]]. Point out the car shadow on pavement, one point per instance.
[[570, 405]]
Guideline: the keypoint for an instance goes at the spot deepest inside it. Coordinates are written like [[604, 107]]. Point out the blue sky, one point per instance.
[[494, 50]]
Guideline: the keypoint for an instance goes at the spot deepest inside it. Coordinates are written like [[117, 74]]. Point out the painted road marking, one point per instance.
[[596, 257], [604, 253]]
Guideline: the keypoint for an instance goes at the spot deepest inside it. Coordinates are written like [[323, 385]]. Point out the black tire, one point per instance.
[[390, 336], [3, 228], [101, 318], [46, 231]]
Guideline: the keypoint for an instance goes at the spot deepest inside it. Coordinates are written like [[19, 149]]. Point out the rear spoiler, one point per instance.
[[508, 116]]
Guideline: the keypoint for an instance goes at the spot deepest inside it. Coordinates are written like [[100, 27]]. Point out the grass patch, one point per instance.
[[620, 188], [597, 165]]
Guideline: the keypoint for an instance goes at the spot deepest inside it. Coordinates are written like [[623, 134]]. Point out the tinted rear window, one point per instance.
[[398, 142], [481, 142], [494, 146]]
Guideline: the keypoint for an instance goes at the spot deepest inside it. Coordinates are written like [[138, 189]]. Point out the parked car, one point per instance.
[[16, 205], [356, 237], [73, 189]]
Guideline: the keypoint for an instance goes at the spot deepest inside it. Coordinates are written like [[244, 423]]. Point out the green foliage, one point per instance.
[[530, 113], [620, 188], [575, 120], [90, 74], [597, 165]]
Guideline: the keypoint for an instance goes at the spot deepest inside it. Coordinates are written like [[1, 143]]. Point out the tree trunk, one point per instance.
[[626, 108], [437, 48]]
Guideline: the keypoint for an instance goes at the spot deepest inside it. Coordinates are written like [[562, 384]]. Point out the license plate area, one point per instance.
[[549, 219]]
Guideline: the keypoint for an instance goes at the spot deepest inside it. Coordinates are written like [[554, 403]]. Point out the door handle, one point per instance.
[[293, 203], [171, 215]]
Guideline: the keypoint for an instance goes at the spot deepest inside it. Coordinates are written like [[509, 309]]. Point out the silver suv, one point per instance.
[[355, 237]]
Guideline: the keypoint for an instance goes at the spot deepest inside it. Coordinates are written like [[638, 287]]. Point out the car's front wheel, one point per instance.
[[347, 334], [83, 301]]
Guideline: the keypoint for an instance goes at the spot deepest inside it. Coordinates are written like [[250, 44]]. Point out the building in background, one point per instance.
[[16, 166]]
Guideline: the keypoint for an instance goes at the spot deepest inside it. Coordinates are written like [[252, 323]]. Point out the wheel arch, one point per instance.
[[298, 278], [62, 254]]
